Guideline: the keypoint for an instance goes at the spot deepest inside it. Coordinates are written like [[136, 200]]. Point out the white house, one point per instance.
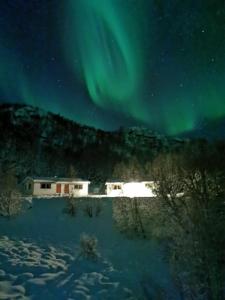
[[114, 189], [130, 189], [54, 186]]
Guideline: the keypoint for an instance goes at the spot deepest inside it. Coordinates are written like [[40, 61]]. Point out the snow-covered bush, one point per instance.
[[88, 246], [92, 209], [10, 198], [71, 208], [10, 203], [88, 210]]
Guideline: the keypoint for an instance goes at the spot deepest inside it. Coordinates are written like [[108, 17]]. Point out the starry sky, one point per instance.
[[109, 63]]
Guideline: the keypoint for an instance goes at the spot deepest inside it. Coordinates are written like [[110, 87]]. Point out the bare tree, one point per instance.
[[71, 207], [92, 209], [10, 198], [190, 202], [128, 171], [131, 216], [72, 172], [88, 247]]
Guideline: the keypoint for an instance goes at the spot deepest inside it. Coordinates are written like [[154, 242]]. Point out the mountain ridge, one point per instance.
[[42, 143]]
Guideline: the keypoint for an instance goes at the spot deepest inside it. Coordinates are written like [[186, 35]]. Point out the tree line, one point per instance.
[[188, 212]]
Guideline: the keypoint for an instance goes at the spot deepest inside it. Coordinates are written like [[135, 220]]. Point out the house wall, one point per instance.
[[37, 191], [63, 184], [80, 192], [72, 190], [137, 189], [131, 189], [110, 191]]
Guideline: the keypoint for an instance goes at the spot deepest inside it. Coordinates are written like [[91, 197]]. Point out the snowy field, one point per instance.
[[41, 256]]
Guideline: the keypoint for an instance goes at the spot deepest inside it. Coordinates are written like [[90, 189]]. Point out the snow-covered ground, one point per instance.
[[41, 258]]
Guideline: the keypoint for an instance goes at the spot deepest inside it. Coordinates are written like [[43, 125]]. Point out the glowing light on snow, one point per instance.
[[137, 189], [130, 189]]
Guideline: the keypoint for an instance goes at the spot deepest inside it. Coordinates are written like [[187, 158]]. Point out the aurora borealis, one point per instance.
[[109, 62], [116, 63], [106, 54]]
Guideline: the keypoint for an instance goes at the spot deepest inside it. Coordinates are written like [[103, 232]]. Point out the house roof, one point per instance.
[[57, 179], [114, 182], [131, 181]]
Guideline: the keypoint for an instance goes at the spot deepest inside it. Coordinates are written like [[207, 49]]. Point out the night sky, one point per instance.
[[111, 63]]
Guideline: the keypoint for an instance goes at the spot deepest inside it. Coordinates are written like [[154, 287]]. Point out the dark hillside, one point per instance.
[[39, 143]]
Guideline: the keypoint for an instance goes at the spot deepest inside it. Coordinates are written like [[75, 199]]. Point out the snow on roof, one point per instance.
[[114, 182], [128, 181], [57, 179]]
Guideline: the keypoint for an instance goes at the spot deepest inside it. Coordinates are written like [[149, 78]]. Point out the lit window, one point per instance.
[[117, 187]]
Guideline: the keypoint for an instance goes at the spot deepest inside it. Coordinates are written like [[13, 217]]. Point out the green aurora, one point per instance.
[[117, 63], [108, 43], [114, 73]]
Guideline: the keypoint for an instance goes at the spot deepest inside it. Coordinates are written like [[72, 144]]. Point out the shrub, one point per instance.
[[88, 245], [10, 203], [10, 198], [71, 208]]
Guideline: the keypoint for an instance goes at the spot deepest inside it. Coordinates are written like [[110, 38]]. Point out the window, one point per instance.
[[45, 185], [28, 186], [78, 187], [117, 187]]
